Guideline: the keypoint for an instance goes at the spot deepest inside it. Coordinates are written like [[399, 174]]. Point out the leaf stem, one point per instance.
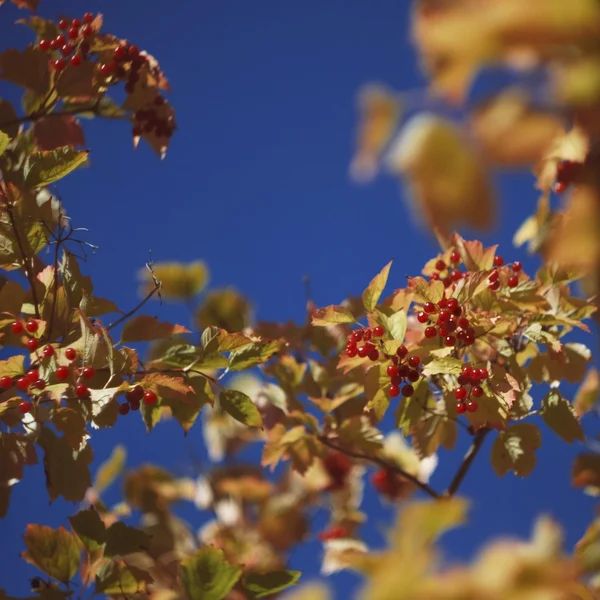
[[467, 461]]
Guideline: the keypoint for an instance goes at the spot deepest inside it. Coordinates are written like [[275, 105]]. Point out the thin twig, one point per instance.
[[383, 463], [465, 465], [134, 309]]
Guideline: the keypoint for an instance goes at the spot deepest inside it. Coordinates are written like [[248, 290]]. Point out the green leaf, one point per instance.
[[43, 168], [373, 292], [110, 469], [119, 579], [253, 354], [559, 414], [53, 551], [145, 328], [514, 450], [332, 315], [261, 585], [447, 365], [4, 141], [89, 528], [122, 539], [240, 407], [207, 575], [395, 324], [588, 393]]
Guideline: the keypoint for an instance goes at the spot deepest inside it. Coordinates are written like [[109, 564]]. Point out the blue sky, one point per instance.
[[256, 183]]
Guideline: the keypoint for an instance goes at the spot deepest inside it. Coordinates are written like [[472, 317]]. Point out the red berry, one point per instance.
[[351, 352], [88, 17], [6, 382], [82, 391], [516, 266], [333, 533], [413, 376], [75, 23], [66, 49], [150, 397], [23, 383], [447, 281], [477, 391], [430, 332], [456, 275], [392, 371], [440, 265], [559, 187], [414, 361], [88, 372], [429, 307], [120, 52], [452, 304], [460, 393], [393, 391], [33, 375], [25, 407], [498, 261], [513, 281], [367, 334], [32, 344], [32, 326], [434, 276], [449, 340], [124, 409], [408, 390], [463, 323], [133, 51], [48, 351], [107, 68], [363, 351], [472, 406], [455, 256], [422, 317], [469, 340], [494, 286], [76, 60], [463, 380], [444, 315], [402, 351], [62, 373], [40, 384], [374, 354], [63, 24], [396, 380], [451, 325], [71, 353], [59, 65], [493, 276], [357, 335], [461, 408], [44, 45], [73, 33], [468, 371], [17, 327], [135, 405], [378, 331], [87, 31], [443, 303], [482, 373], [135, 395]]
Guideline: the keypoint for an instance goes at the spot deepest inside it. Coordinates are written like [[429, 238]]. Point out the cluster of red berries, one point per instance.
[[566, 173], [146, 121], [134, 397], [448, 274], [368, 348], [124, 55], [446, 319], [512, 280], [388, 483], [471, 377], [31, 327], [403, 370], [73, 44], [338, 466]]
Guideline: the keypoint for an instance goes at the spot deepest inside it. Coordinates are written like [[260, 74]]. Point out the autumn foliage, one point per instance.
[[458, 351]]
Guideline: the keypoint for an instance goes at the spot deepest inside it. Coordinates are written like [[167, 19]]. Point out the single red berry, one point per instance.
[[367, 334], [444, 315], [402, 351], [357, 335], [494, 286], [451, 324], [413, 376], [429, 307], [422, 317], [443, 303], [135, 405], [396, 380], [120, 52], [468, 371], [48, 351], [88, 17], [40, 384], [477, 391], [447, 281], [440, 265], [560, 187], [17, 327], [73, 33], [82, 391], [59, 65], [493, 276], [25, 407], [32, 344], [6, 382], [32, 326], [75, 23], [62, 373], [76, 60], [482, 373], [135, 395], [469, 340], [333, 533], [472, 406], [463, 380], [124, 409], [430, 332], [393, 391], [378, 331], [513, 281], [150, 397], [374, 354], [63, 24], [461, 408], [449, 340], [88, 372], [23, 383], [456, 275], [516, 266], [66, 50], [414, 361], [133, 51], [107, 68], [442, 331], [44, 45], [71, 353], [392, 371], [87, 31], [460, 393], [452, 304], [498, 261], [463, 322], [455, 256], [351, 352], [408, 390], [434, 276], [363, 351], [33, 375], [395, 360], [54, 45]]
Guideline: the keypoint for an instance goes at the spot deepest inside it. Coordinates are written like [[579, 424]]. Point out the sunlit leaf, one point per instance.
[[261, 585], [110, 469], [240, 407], [44, 168], [559, 414], [332, 315], [514, 450], [373, 292]]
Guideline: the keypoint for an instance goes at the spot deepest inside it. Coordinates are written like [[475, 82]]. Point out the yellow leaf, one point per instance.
[[110, 469]]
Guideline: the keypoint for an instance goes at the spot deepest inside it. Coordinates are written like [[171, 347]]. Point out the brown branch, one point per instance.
[[135, 308], [464, 467], [382, 463]]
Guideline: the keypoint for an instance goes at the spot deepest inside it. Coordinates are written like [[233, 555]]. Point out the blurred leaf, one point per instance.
[[122, 539], [143, 328], [26, 68], [53, 551], [561, 417], [4, 141], [586, 471], [206, 575], [240, 407], [373, 292], [44, 168], [79, 84], [226, 309], [332, 315], [9, 116], [253, 354], [260, 585], [16, 451], [118, 579], [89, 528], [514, 450], [58, 130], [588, 393], [110, 469], [179, 281]]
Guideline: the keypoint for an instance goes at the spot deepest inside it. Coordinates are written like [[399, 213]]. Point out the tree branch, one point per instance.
[[472, 452], [135, 308], [383, 463]]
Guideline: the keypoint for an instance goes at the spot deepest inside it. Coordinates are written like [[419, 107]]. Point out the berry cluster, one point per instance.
[[446, 319], [471, 377], [566, 173], [338, 466], [511, 281], [73, 44], [31, 327], [367, 348], [125, 64], [448, 274], [134, 397], [388, 483], [403, 370], [147, 121]]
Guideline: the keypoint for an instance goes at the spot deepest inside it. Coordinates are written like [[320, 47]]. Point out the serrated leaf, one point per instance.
[[514, 450], [144, 328], [559, 414], [206, 575], [110, 469], [122, 539], [89, 528], [16, 451], [13, 366], [260, 585], [395, 324], [446, 365], [26, 68], [332, 315], [253, 354], [239, 406], [43, 168], [53, 551], [374, 290], [118, 579], [57, 131]]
